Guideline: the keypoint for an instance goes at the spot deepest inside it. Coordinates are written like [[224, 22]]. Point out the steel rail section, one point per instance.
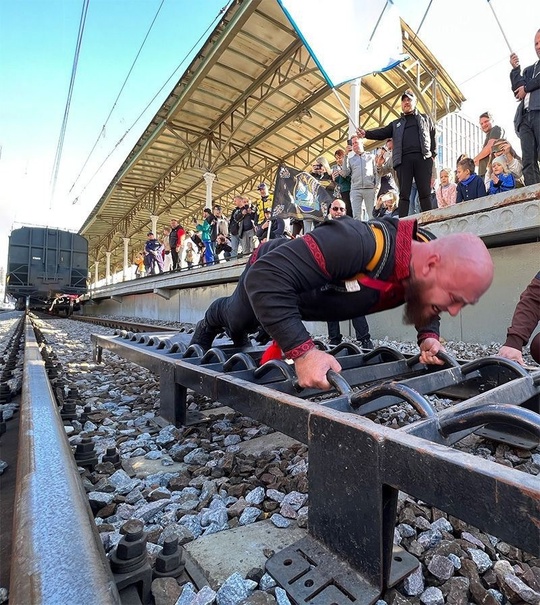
[[356, 466], [55, 558]]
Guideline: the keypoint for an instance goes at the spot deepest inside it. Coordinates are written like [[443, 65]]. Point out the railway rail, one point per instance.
[[357, 466], [45, 567]]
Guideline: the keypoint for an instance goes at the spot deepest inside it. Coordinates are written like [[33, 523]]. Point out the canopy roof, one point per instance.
[[253, 98]]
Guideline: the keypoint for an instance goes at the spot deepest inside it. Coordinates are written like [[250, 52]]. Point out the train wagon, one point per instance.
[[47, 269]]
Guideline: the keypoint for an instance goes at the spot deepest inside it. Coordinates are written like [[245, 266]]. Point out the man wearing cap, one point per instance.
[[153, 257], [266, 198], [414, 149]]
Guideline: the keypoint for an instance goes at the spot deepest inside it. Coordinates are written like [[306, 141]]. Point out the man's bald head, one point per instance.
[[447, 274]]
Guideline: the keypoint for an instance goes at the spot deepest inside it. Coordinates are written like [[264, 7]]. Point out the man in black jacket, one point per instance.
[[347, 268], [414, 148], [526, 89], [176, 241], [236, 224]]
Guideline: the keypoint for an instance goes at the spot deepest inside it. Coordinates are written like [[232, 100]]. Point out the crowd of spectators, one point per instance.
[[397, 179]]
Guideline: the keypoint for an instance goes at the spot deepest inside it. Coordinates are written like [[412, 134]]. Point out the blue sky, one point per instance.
[[37, 45]]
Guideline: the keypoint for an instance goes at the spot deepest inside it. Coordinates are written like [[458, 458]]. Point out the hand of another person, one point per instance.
[[312, 367], [428, 352], [360, 132], [514, 60], [511, 353], [520, 93]]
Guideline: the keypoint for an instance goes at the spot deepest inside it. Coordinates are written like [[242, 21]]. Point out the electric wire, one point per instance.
[[195, 45], [60, 145], [117, 97], [423, 19]]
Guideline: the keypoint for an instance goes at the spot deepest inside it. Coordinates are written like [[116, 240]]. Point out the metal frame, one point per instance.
[[356, 466]]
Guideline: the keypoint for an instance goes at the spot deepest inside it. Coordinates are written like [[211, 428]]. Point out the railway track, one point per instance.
[[370, 383], [88, 411]]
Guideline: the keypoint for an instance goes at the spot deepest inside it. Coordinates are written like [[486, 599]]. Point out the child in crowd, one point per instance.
[[190, 254], [447, 190], [501, 178], [502, 148], [139, 265], [470, 185]]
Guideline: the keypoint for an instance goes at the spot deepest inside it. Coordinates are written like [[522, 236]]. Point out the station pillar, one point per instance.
[[96, 272], [154, 218], [108, 268], [209, 178], [126, 259]]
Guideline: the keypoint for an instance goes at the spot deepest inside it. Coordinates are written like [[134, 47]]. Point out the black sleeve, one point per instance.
[[380, 134], [516, 78], [337, 250]]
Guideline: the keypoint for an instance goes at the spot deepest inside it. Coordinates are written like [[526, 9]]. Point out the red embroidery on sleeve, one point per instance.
[[300, 350]]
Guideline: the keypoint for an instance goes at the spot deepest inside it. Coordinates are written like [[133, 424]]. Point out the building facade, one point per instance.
[[457, 134]]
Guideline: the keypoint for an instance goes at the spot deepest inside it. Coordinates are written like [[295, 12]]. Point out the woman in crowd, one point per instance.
[[343, 183]]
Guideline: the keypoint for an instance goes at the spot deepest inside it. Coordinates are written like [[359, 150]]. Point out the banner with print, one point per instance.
[[299, 195]]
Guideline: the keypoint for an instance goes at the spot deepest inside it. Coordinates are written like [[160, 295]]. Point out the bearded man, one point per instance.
[[344, 269]]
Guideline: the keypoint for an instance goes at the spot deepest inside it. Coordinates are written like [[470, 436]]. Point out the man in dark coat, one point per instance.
[[344, 269], [526, 89], [176, 241], [414, 148]]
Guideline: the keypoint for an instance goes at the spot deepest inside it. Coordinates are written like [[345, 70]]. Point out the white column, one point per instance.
[[126, 259], [96, 272], [154, 220], [354, 106], [354, 117], [209, 178], [108, 268]]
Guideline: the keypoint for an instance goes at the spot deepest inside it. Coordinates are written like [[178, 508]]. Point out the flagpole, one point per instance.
[[347, 111], [500, 27]]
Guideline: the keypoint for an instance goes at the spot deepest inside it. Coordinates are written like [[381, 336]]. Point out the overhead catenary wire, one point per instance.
[[102, 131], [61, 138], [193, 47]]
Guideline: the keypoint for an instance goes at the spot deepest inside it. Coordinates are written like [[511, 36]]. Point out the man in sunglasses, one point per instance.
[[360, 324], [343, 269]]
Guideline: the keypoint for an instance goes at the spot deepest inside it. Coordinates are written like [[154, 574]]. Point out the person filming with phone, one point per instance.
[[386, 205]]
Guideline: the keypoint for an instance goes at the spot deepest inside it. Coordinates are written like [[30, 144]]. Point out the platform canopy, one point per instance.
[[252, 98]]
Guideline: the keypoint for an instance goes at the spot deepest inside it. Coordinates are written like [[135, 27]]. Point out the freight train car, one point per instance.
[[47, 266]]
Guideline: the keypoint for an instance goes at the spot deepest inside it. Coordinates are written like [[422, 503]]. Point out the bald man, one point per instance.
[[348, 268]]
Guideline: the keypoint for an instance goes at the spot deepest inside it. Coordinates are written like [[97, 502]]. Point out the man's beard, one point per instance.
[[415, 312]]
